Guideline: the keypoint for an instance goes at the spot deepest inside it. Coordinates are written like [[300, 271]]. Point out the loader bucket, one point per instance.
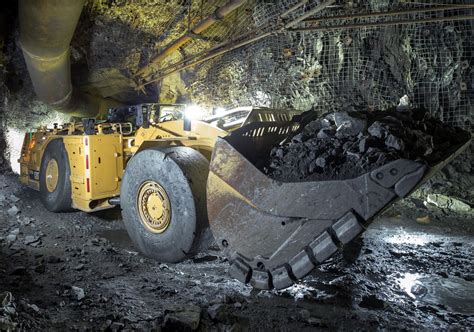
[[274, 233]]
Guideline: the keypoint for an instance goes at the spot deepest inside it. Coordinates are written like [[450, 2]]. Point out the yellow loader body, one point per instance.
[[97, 162]]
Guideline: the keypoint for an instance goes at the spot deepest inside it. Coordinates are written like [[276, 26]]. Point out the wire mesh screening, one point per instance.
[[333, 68], [351, 55]]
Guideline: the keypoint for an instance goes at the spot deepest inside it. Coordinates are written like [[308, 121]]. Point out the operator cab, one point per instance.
[[142, 115]]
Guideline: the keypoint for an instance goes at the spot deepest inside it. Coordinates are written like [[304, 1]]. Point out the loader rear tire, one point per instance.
[[174, 181], [55, 192]]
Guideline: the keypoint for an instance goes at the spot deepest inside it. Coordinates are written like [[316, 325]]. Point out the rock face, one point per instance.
[[3, 94], [344, 145]]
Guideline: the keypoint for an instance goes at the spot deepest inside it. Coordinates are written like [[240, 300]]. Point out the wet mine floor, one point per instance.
[[80, 271]]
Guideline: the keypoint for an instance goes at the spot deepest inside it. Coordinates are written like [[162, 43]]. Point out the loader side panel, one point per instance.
[[96, 169], [106, 165]]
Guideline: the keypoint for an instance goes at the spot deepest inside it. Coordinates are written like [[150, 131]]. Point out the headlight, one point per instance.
[[219, 111], [193, 112]]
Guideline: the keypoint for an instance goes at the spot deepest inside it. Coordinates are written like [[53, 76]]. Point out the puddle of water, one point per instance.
[[408, 282], [408, 237], [402, 237], [456, 294]]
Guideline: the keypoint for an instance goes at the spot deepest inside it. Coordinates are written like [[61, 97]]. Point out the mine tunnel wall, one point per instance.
[[4, 164], [3, 145]]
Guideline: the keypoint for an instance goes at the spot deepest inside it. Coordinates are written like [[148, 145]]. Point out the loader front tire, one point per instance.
[[163, 199], [54, 178]]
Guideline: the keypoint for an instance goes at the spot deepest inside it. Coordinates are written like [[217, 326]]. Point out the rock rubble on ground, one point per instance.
[[182, 318], [13, 211]]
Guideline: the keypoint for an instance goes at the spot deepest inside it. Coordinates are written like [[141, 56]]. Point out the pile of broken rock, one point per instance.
[[9, 204], [345, 145]]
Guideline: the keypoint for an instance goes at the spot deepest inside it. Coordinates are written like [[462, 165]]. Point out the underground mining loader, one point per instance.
[[151, 159], [179, 180]]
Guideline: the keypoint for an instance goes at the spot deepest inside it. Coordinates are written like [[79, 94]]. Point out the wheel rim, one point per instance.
[[154, 207], [52, 175]]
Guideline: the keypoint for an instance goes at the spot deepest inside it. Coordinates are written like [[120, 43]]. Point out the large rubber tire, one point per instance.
[[182, 172], [60, 199]]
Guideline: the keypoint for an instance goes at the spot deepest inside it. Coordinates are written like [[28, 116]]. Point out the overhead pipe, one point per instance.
[[385, 23], [421, 10], [218, 15], [241, 37], [245, 36], [239, 44], [46, 30]]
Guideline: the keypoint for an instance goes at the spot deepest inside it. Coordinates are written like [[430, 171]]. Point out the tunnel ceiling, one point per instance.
[[114, 40]]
